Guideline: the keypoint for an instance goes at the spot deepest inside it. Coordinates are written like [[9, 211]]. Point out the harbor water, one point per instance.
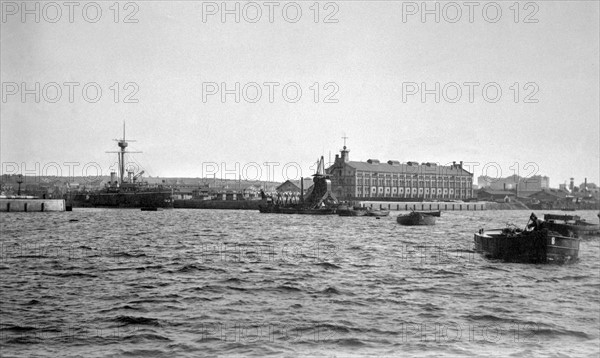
[[107, 282]]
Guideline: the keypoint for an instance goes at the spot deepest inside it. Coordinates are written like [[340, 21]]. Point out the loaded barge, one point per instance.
[[536, 244], [320, 200]]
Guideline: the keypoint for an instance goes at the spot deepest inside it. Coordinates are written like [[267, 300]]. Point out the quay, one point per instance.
[[31, 204], [421, 205]]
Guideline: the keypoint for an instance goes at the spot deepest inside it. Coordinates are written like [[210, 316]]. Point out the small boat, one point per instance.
[[415, 218], [535, 244], [344, 210], [377, 213], [570, 225], [151, 208], [431, 213]]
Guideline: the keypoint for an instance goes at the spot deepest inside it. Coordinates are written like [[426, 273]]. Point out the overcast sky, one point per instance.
[[369, 60]]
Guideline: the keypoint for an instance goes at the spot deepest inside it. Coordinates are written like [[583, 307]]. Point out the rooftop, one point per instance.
[[392, 166]]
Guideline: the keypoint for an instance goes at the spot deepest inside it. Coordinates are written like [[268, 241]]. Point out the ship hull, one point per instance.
[[578, 230], [148, 199], [542, 246], [274, 209], [415, 219]]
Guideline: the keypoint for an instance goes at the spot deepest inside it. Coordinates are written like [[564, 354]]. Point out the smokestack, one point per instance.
[[112, 177], [572, 184], [585, 184]]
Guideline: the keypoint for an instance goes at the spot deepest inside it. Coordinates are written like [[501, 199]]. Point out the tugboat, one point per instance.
[[535, 244], [319, 201], [126, 192], [416, 218]]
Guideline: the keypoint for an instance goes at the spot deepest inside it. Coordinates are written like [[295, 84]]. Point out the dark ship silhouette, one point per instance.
[[124, 191]]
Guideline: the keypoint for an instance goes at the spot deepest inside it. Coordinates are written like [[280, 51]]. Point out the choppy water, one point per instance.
[[98, 283]]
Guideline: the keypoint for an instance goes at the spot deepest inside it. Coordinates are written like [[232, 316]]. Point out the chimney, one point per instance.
[[585, 184], [454, 164], [461, 164], [572, 184]]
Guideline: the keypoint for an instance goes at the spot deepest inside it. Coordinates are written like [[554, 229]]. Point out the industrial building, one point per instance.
[[395, 181]]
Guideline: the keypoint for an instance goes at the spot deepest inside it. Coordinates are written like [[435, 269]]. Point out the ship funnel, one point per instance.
[[112, 177]]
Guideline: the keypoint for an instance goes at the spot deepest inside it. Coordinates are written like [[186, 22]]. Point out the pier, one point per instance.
[[408, 206], [31, 205]]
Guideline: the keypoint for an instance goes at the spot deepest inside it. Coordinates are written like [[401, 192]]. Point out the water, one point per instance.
[[97, 283]]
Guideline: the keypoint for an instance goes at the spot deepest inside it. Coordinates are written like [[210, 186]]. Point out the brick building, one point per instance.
[[393, 180]]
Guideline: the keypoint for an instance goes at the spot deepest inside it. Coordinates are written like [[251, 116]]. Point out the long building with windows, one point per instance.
[[393, 180]]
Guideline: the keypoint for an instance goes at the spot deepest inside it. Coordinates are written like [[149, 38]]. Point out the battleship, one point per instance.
[[124, 191]]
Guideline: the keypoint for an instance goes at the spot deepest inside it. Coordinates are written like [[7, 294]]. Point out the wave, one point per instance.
[[17, 328], [70, 274], [286, 288], [146, 337], [123, 307], [328, 265], [131, 320], [196, 267], [331, 291]]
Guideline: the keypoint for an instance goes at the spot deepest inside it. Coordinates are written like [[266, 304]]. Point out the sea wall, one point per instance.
[[408, 206], [31, 205]]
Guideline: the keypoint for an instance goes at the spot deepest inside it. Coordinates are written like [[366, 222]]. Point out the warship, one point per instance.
[[124, 191]]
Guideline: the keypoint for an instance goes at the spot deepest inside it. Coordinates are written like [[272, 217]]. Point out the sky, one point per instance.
[[517, 86]]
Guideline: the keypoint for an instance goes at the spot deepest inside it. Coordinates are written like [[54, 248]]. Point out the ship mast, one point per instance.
[[122, 143]]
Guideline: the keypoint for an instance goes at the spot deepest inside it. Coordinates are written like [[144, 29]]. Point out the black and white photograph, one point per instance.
[[307, 178]]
